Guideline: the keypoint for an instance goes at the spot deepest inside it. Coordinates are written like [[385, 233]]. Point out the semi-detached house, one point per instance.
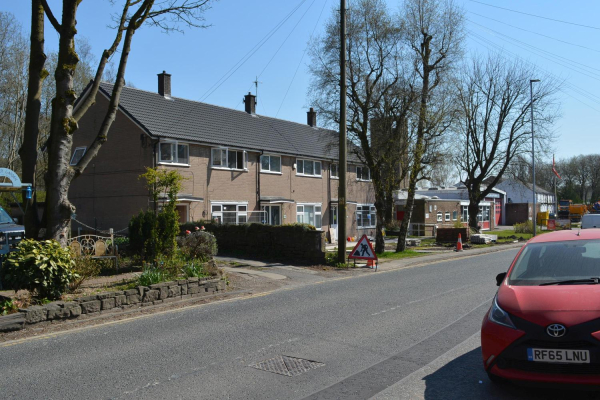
[[239, 167]]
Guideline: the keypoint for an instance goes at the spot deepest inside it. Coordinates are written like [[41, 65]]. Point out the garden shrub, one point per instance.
[[44, 268], [143, 234], [85, 267], [152, 275], [194, 269], [198, 245], [7, 306], [525, 227]]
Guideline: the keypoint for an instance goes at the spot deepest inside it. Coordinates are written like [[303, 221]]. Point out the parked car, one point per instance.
[[544, 322], [10, 233], [590, 221]]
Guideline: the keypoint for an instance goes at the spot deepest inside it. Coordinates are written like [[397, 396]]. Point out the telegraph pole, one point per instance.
[[342, 166]]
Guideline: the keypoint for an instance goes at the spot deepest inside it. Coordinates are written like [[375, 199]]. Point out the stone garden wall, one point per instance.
[[98, 304]]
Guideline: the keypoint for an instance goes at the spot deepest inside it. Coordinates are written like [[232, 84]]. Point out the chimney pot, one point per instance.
[[250, 102], [311, 117], [164, 84]]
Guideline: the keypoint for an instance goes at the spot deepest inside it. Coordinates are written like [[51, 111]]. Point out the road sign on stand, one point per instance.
[[363, 250]]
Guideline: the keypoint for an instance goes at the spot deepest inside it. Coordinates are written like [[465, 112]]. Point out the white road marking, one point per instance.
[[423, 299]]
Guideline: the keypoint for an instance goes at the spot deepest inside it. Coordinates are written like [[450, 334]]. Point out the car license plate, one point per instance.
[[559, 356]]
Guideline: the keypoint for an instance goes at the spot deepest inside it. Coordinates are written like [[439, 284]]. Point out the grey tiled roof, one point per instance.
[[182, 119]]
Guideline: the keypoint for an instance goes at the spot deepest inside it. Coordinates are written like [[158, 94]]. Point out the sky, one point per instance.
[[266, 41]]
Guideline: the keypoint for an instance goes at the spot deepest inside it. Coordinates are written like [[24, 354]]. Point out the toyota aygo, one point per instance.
[[544, 322]]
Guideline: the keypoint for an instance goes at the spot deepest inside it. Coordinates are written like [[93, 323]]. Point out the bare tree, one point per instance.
[[14, 58], [378, 92], [165, 14], [593, 161], [494, 125], [434, 33]]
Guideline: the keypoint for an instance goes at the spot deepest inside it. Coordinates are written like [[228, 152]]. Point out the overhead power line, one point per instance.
[[301, 58], [541, 50], [536, 33], [250, 53], [500, 50], [536, 16]]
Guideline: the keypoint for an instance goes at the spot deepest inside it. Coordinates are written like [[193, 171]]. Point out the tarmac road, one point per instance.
[[397, 333]]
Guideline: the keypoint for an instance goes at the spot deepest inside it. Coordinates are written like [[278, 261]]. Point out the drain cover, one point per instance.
[[288, 366]]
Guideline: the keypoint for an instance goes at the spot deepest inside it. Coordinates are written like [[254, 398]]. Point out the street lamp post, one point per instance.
[[533, 153]]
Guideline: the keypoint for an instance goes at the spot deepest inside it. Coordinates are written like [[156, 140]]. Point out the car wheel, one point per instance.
[[496, 379]]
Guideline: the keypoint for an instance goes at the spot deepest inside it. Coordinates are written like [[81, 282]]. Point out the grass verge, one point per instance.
[[392, 255]]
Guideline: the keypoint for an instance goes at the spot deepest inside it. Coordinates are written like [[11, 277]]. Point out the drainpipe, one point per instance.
[[258, 180], [154, 165]]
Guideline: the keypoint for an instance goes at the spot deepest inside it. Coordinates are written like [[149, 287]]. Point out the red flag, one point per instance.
[[554, 169]]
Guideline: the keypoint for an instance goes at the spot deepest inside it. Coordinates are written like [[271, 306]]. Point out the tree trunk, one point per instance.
[[63, 125], [380, 209], [473, 211], [408, 209], [28, 150], [419, 147]]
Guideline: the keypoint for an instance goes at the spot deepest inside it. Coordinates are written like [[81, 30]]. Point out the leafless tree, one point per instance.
[[379, 92], [13, 88], [434, 33], [494, 125], [168, 15]]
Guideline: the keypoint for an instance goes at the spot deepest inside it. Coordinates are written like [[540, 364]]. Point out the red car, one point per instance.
[[544, 323]]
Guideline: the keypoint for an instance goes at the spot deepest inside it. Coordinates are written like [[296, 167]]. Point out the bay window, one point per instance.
[[224, 213]]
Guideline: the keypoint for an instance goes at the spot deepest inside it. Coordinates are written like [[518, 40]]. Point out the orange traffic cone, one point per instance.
[[370, 263], [459, 244]]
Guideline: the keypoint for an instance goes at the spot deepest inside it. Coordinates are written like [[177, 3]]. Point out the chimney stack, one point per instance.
[[311, 117], [164, 84], [250, 102]]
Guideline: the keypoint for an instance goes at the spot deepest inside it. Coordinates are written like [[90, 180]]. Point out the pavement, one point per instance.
[[256, 268]]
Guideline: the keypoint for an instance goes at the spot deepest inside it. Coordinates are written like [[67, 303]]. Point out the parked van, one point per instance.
[[590, 221]]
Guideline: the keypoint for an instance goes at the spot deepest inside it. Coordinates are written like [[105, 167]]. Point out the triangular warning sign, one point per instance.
[[363, 250]]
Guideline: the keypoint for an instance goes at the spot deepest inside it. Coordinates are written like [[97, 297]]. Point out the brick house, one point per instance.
[[240, 167], [442, 207]]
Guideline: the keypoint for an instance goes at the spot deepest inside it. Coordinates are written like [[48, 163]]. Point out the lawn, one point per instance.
[[392, 255], [507, 235]]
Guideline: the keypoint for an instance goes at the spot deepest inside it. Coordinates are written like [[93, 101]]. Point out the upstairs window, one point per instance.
[[335, 173], [308, 167], [77, 155], [363, 174], [229, 159], [174, 153], [270, 164]]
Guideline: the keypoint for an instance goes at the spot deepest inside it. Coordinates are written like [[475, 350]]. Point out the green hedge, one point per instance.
[[295, 242]]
